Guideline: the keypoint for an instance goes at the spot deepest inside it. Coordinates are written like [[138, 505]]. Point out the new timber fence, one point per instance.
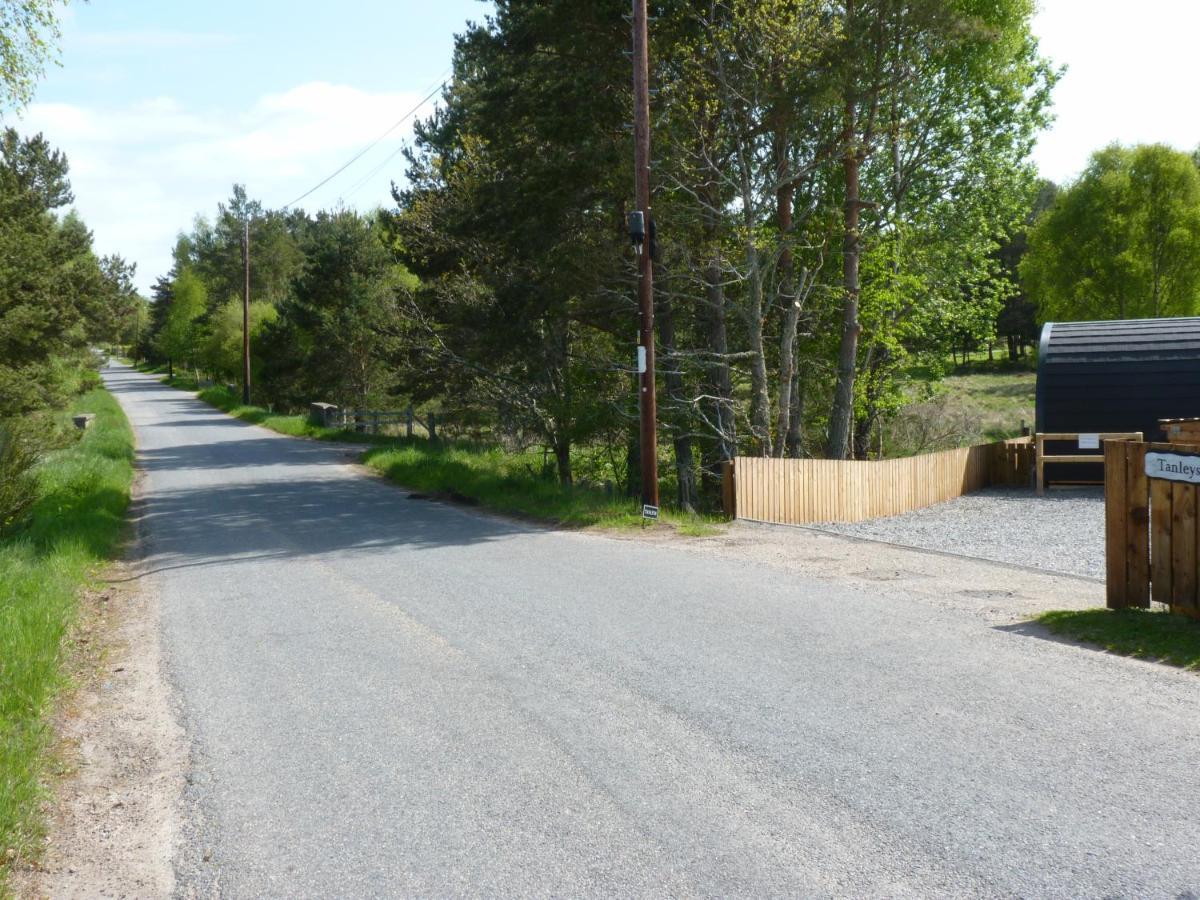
[[801, 491]]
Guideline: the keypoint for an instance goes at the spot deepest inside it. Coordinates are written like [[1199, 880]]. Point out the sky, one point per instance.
[[162, 106]]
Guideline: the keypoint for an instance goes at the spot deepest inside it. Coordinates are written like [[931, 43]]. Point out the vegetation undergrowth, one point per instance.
[[509, 482], [975, 404], [75, 525], [499, 479], [1143, 634]]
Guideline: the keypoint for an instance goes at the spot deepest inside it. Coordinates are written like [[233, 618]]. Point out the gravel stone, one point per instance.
[[1062, 531]]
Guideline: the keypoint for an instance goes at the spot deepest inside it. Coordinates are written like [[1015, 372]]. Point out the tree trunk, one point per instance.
[[562, 456], [721, 387], [685, 463], [720, 379], [795, 434], [760, 405], [789, 303], [843, 399], [633, 458]]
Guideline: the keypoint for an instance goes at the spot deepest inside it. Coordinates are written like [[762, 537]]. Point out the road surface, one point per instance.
[[391, 697]]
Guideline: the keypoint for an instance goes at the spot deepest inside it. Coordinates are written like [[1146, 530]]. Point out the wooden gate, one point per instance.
[[1152, 543]]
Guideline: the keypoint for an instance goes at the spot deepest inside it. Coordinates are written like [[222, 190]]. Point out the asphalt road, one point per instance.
[[392, 697]]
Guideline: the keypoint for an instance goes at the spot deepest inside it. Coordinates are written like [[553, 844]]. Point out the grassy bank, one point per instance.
[[507, 482], [974, 405], [1132, 632], [497, 479], [76, 525]]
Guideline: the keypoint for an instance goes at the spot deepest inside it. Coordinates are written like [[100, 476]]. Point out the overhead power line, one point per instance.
[[362, 182], [371, 146]]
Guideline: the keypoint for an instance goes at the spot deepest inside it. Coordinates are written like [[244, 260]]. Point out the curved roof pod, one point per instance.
[[1122, 375]]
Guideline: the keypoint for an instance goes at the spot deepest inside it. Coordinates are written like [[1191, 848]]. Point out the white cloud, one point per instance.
[[141, 172]]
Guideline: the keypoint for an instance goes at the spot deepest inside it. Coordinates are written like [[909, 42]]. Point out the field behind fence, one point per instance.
[[801, 491]]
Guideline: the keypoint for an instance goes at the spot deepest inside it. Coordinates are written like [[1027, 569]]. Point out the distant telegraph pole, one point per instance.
[[641, 167], [246, 313]]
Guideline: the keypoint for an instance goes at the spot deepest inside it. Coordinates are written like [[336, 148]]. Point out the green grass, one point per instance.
[[999, 401], [76, 526], [491, 477], [507, 482], [294, 425], [975, 405], [1139, 633]]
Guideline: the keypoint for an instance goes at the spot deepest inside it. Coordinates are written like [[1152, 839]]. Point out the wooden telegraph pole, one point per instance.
[[246, 314], [641, 152]]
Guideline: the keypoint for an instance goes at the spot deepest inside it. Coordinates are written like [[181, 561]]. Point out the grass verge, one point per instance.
[[491, 477], [507, 482], [75, 526], [1143, 634]]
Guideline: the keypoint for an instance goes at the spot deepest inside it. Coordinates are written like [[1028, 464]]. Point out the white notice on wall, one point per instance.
[[1173, 467], [1089, 442]]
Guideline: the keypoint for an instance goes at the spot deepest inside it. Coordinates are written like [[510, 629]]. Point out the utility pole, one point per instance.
[[641, 167], [246, 314]]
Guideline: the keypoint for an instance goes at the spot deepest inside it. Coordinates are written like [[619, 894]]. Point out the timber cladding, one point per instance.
[[802, 491], [1152, 543]]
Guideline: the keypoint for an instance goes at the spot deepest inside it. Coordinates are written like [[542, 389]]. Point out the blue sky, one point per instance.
[[162, 106]]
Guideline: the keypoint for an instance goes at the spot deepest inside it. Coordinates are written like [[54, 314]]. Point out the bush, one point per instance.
[[89, 380], [20, 452]]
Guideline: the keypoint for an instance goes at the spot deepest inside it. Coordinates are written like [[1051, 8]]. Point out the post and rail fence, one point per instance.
[[1082, 441], [372, 421]]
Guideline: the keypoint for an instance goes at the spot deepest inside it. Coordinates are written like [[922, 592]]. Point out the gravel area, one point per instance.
[[1060, 532]]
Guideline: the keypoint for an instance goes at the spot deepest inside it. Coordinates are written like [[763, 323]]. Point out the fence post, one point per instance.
[[375, 422], [728, 489], [432, 427], [1137, 526], [1115, 546], [408, 421]]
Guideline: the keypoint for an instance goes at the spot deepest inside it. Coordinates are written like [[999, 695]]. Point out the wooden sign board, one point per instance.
[[1183, 467]]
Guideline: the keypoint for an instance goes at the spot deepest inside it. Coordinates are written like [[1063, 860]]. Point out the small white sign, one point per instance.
[[641, 360], [1089, 442], [1173, 467]]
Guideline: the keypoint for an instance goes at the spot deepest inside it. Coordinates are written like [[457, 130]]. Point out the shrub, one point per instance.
[[89, 380], [20, 452]]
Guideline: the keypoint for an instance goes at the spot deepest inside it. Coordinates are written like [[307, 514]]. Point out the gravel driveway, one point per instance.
[[1061, 532]]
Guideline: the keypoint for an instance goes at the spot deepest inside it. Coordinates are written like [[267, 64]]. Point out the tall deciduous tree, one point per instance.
[[180, 338], [29, 33], [1123, 241], [940, 102]]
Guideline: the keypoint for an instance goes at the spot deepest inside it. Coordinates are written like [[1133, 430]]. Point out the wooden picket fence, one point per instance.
[[1151, 538], [800, 491]]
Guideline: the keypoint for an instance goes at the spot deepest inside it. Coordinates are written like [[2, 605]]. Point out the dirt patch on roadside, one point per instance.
[[113, 820], [997, 592]]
